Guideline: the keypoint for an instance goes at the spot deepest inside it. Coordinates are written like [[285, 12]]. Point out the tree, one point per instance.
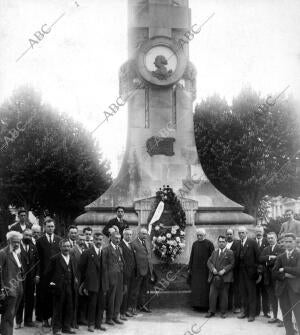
[[246, 151], [48, 161]]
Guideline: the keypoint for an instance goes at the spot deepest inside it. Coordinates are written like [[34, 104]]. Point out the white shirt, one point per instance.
[[16, 259], [25, 246], [228, 245], [98, 250], [289, 253], [114, 246], [259, 242], [220, 250], [127, 244], [49, 238], [66, 258], [243, 242]]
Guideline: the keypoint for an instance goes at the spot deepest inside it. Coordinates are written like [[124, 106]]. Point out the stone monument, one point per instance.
[[161, 150]]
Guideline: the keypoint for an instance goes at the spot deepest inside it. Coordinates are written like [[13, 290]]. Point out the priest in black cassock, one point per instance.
[[198, 270]]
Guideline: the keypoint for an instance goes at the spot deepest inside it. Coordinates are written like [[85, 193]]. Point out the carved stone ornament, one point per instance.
[[160, 62]]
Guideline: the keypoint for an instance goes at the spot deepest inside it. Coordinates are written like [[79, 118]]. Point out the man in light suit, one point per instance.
[[287, 273], [267, 258], [142, 249], [220, 264], [11, 280], [291, 226], [113, 267]]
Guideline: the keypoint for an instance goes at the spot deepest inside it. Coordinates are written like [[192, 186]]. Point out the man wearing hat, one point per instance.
[[23, 223], [117, 221], [11, 280]]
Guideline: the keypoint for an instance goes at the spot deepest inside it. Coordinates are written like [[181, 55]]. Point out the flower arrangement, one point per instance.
[[168, 240]]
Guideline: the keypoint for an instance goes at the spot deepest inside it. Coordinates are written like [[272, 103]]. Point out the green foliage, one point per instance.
[[248, 152], [53, 164]]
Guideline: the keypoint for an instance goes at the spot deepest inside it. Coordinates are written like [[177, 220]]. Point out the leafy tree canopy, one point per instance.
[[48, 161], [246, 151]]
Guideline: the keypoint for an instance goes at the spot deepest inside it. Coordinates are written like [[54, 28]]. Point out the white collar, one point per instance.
[[97, 250], [66, 258], [126, 243]]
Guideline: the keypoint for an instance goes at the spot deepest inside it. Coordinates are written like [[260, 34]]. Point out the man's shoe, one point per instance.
[[273, 320], [209, 314], [18, 326], [251, 318], [117, 321], [57, 333], [110, 322], [123, 318], [134, 312], [29, 324], [280, 324], [223, 315], [128, 314], [267, 316], [91, 329], [237, 311], [68, 331], [145, 309], [101, 328], [242, 316], [46, 324]]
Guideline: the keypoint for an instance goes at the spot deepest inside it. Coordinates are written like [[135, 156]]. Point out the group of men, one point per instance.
[[74, 280], [247, 275]]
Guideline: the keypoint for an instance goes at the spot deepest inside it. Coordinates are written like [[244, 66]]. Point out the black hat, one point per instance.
[[21, 210]]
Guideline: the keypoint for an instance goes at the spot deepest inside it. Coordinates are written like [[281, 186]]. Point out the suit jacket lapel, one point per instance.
[[13, 258]]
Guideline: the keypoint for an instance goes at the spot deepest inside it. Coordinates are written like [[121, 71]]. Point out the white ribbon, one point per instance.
[[156, 216]]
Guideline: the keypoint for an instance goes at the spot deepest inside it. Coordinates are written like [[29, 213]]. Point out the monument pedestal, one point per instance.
[[161, 149]]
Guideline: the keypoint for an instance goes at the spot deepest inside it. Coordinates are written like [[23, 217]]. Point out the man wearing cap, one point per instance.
[[23, 223], [11, 280], [117, 221]]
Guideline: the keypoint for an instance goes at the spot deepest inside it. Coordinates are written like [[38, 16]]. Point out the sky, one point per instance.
[[75, 65]]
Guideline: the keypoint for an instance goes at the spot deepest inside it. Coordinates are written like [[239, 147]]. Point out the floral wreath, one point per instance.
[[168, 242]]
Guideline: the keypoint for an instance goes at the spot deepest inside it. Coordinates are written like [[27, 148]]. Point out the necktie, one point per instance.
[[50, 239]]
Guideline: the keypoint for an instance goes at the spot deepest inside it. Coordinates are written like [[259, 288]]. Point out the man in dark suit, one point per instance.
[[47, 247], [113, 266], [129, 273], [287, 274], [142, 249], [262, 299], [267, 258], [92, 282], [72, 235], [63, 283], [248, 263], [117, 221], [234, 299], [80, 302], [30, 264], [88, 232], [23, 223], [11, 280], [220, 264]]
